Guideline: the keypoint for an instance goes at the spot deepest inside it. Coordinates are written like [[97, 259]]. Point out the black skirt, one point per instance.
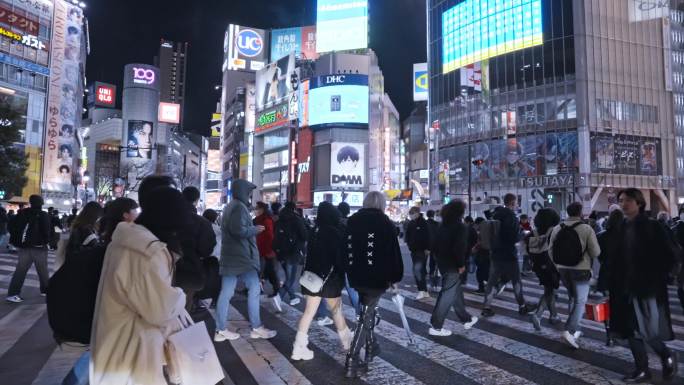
[[331, 289]]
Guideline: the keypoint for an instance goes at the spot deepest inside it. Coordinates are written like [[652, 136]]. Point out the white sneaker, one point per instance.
[[570, 339], [439, 332], [14, 299], [277, 303], [421, 295], [325, 321], [222, 335], [300, 351], [577, 335], [471, 323], [295, 301], [262, 332]]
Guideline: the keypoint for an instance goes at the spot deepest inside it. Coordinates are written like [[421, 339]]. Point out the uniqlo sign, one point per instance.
[[105, 96], [169, 113]]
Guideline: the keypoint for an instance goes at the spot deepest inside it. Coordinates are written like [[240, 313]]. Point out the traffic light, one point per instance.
[[2, 194], [549, 198]]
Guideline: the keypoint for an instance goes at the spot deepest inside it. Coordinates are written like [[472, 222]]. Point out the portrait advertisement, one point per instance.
[[140, 139]]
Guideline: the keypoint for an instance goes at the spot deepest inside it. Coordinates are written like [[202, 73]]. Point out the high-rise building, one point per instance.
[[172, 62], [555, 101]]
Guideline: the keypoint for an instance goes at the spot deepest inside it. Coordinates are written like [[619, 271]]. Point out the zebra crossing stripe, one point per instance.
[[16, 323], [59, 364]]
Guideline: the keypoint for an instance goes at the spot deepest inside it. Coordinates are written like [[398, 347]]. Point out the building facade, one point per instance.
[[554, 101], [172, 62]]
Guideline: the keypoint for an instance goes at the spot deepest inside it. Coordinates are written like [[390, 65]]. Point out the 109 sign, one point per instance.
[[249, 43]]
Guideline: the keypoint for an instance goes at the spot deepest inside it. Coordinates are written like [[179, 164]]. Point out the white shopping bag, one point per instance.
[[191, 357]]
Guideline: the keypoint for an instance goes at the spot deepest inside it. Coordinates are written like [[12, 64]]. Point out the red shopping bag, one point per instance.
[[599, 312]]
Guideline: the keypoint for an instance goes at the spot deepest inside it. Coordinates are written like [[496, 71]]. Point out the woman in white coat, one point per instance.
[[137, 308]]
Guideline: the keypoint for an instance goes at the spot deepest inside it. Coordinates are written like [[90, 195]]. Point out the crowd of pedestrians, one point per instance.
[[161, 262]]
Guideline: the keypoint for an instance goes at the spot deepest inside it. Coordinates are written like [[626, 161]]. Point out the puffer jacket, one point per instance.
[[239, 253], [373, 254]]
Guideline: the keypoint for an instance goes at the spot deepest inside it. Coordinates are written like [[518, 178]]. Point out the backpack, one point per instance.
[[284, 240], [72, 292], [489, 234], [567, 246], [27, 232], [538, 246]]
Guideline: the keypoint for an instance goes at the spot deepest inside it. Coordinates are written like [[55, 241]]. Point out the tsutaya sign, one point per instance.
[[563, 180]]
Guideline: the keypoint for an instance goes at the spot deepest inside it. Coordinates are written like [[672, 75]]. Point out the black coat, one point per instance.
[[509, 234], [609, 242], [433, 226], [638, 268], [197, 243], [452, 246], [373, 254], [325, 251], [297, 227], [418, 235], [22, 219]]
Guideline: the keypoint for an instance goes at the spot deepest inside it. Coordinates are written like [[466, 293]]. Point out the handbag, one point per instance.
[[312, 282], [191, 357]]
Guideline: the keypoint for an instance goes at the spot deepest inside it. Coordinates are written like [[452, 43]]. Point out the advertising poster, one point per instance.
[[304, 169], [550, 152], [568, 148], [626, 155], [649, 157], [245, 49], [341, 25], [347, 165], [64, 98], [140, 134], [309, 43], [603, 156], [523, 156], [300, 40], [420, 82], [481, 162], [339, 100], [273, 84]]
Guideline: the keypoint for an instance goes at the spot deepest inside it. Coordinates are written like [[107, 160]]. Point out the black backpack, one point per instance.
[[567, 246], [72, 292], [284, 241]]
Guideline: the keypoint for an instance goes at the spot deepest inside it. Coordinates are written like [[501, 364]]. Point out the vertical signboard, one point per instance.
[[64, 98], [420, 82], [347, 165], [304, 177], [245, 49]]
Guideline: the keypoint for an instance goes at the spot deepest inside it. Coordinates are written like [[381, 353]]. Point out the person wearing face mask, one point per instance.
[[418, 242], [638, 270]]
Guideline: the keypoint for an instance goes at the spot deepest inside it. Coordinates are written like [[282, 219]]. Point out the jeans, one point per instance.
[[288, 287], [4, 238], [420, 269], [271, 274], [547, 301], [451, 295], [578, 292], [78, 375], [27, 257], [251, 280], [638, 347], [499, 271]]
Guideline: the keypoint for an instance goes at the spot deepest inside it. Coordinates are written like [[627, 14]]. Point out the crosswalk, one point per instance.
[[503, 349]]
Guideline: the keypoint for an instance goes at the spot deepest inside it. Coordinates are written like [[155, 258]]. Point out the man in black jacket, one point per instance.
[[30, 234], [505, 256], [291, 224], [433, 225], [418, 242], [197, 242]]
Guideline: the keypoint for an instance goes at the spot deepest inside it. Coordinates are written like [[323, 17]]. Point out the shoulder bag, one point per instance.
[[312, 282]]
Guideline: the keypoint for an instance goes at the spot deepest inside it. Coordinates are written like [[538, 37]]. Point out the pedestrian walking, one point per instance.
[[526, 230], [433, 272], [289, 243], [30, 235], [115, 212], [452, 244], [266, 253], [239, 260], [573, 247], [504, 234], [137, 308], [418, 241], [197, 242], [638, 270], [84, 232], [3, 228], [344, 211], [212, 285], [482, 259], [537, 247], [374, 264], [609, 241], [324, 259]]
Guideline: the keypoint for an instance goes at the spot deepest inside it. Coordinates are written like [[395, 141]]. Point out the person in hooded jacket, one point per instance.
[[137, 308], [374, 264], [452, 242], [537, 247], [239, 260], [267, 255], [638, 270], [294, 224], [325, 259], [418, 242]]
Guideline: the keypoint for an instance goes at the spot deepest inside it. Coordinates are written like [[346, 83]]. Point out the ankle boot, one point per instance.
[[299, 349], [351, 365]]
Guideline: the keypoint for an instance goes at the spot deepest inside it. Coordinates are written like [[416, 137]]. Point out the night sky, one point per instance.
[[128, 31]]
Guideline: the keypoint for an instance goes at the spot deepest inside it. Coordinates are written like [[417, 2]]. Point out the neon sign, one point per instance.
[[143, 76]]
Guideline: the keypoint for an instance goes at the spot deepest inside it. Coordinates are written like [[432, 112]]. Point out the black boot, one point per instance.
[[670, 366], [372, 345], [638, 377], [351, 365]]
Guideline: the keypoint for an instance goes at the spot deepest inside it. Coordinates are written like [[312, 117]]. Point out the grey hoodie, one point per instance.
[[239, 253]]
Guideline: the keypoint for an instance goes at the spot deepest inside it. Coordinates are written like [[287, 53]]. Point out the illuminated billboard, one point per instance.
[[420, 82], [340, 100], [244, 48], [169, 113], [341, 25], [475, 30], [300, 40]]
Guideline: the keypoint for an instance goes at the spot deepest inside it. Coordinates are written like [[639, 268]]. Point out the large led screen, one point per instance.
[[339, 100], [476, 30], [341, 25]]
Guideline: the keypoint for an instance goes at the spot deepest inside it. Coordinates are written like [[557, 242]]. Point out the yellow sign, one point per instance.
[[422, 82]]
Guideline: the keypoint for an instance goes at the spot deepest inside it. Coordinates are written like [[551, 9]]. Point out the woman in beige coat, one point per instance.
[[137, 308]]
